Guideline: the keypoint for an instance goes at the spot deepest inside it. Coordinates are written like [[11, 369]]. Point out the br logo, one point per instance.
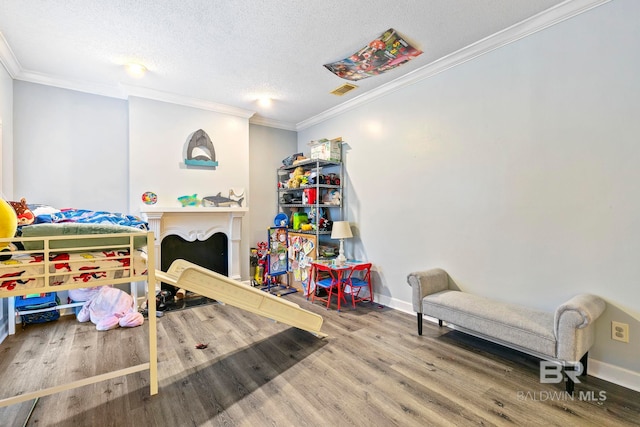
[[552, 372]]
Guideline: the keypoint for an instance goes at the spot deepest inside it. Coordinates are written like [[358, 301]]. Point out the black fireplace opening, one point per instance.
[[211, 253]]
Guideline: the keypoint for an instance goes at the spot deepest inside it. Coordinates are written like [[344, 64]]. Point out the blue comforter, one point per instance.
[[86, 216]]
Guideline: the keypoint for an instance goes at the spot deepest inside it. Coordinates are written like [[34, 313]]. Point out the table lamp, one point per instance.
[[341, 230]]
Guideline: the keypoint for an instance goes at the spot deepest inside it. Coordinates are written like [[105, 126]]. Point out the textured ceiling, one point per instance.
[[230, 52]]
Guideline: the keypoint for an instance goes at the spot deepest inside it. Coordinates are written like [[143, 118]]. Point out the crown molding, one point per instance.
[[186, 101], [539, 22], [121, 91], [262, 121], [8, 59], [77, 85], [545, 19]]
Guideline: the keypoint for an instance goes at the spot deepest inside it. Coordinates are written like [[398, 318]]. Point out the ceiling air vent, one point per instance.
[[347, 87]]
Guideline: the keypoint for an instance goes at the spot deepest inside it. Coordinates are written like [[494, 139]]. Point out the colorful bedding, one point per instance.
[[27, 270], [83, 246], [92, 217]]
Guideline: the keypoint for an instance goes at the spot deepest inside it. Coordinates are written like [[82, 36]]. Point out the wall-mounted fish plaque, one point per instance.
[[200, 151]]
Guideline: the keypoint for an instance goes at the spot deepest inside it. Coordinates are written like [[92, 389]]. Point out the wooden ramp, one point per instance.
[[192, 277]]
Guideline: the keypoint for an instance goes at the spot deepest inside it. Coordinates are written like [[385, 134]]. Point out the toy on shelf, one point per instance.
[[191, 200], [297, 178], [149, 198], [293, 158], [281, 220], [332, 197], [220, 201]]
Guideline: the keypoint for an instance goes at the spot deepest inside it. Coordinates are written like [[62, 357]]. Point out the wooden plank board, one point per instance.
[[372, 370], [186, 275]]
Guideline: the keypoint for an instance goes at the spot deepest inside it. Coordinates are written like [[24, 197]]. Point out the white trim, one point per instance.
[[614, 374], [77, 85], [8, 59], [542, 20], [262, 121], [538, 22], [120, 91], [196, 223], [190, 209], [172, 98], [396, 304], [123, 91]]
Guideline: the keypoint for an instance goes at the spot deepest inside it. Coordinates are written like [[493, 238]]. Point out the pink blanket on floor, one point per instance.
[[110, 308]]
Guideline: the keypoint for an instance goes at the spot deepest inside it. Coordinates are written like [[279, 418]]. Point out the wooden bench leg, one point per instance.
[[584, 362], [570, 386], [420, 323]]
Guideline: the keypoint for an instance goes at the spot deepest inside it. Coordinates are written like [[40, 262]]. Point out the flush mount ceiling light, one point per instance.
[[265, 101], [136, 70]]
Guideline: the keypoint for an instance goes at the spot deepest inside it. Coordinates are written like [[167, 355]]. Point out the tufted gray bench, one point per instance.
[[564, 336]]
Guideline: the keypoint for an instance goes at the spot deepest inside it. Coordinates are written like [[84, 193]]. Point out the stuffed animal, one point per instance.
[[8, 222], [110, 308], [296, 178], [332, 197], [25, 216]]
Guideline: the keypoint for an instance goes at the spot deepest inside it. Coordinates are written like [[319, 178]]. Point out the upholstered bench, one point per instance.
[[564, 336]]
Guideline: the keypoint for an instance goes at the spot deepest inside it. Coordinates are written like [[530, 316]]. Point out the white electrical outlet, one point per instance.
[[620, 331]]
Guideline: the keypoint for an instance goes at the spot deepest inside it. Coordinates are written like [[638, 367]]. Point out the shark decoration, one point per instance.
[[220, 201], [205, 155]]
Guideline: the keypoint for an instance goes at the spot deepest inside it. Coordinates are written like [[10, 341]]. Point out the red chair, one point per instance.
[[325, 278], [358, 278]]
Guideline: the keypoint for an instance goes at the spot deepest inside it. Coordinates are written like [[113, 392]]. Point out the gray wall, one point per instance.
[[516, 172], [71, 148], [267, 148]]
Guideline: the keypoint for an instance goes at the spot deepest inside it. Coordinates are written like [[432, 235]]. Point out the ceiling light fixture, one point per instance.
[[265, 101], [136, 70]]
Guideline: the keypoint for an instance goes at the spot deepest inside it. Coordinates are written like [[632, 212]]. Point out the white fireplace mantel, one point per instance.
[[198, 223]]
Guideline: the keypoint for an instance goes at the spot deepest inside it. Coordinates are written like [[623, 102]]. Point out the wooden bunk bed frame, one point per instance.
[[86, 243], [181, 273]]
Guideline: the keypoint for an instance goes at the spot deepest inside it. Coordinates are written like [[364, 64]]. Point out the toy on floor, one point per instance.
[[110, 308]]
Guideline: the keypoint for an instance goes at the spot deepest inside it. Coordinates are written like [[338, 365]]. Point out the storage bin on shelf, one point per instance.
[[326, 149]]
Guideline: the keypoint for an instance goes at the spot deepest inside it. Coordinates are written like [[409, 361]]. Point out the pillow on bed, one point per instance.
[[80, 229], [38, 209]]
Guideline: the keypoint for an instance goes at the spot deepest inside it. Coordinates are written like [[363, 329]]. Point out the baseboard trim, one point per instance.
[[396, 304], [614, 374]]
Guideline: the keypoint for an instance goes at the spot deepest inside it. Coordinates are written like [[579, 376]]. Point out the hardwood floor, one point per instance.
[[372, 370]]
